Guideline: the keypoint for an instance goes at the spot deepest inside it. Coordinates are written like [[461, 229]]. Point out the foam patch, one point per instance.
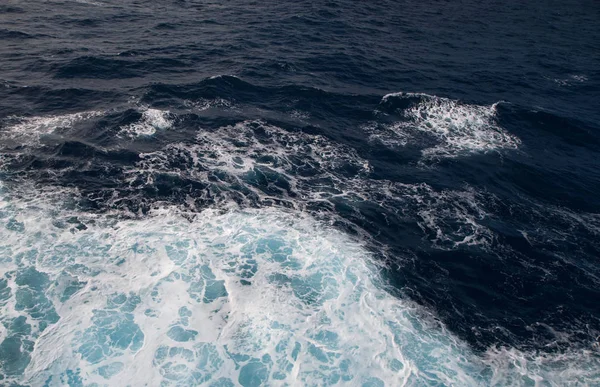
[[442, 127], [226, 298]]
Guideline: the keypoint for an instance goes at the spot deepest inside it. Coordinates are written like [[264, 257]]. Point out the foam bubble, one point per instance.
[[571, 80], [449, 218], [97, 3], [151, 121], [219, 76], [29, 130], [299, 115], [510, 367], [204, 104], [265, 163], [221, 298], [260, 157], [401, 94], [457, 128], [242, 296]]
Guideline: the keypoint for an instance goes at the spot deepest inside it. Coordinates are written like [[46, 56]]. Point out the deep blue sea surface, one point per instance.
[[301, 193]]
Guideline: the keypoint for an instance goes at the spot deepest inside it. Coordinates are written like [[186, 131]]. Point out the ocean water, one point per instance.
[[310, 193]]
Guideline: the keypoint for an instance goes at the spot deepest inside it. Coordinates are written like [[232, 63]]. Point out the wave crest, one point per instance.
[[441, 127]]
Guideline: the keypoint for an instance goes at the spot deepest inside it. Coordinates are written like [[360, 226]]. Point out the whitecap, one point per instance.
[[28, 131], [151, 121], [571, 80], [456, 128]]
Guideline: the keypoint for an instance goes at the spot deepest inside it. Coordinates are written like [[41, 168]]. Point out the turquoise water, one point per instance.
[[220, 298]]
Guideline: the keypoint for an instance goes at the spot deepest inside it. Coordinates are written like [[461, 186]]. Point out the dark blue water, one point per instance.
[[456, 142]]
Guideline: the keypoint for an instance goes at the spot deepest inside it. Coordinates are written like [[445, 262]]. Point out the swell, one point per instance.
[[109, 68], [20, 99]]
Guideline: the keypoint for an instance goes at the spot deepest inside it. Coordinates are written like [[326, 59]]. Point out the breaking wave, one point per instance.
[[29, 131], [441, 127], [151, 121]]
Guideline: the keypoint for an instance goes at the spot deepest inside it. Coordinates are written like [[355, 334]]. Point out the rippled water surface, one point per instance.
[[300, 193]]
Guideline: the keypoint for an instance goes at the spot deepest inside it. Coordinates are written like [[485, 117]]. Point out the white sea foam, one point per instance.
[[389, 96], [97, 3], [571, 80], [299, 115], [241, 153], [305, 169], [151, 121], [223, 76], [456, 128], [204, 104], [449, 218], [240, 297], [29, 130], [252, 150]]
